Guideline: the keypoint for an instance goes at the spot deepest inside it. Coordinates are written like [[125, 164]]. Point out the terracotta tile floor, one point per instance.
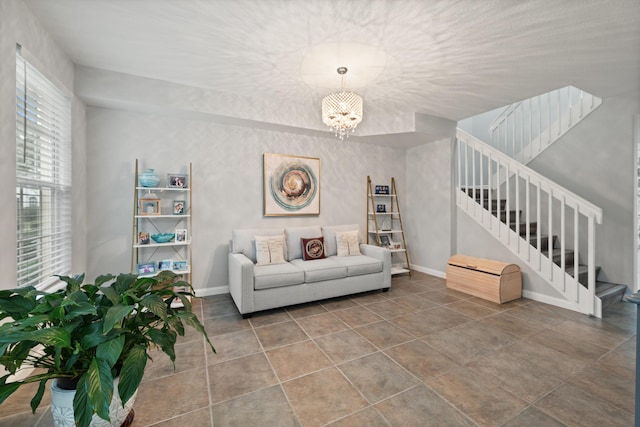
[[418, 355]]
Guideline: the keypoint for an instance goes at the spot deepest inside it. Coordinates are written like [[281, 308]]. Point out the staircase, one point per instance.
[[608, 293], [548, 227]]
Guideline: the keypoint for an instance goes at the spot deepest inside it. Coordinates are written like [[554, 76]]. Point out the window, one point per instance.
[[43, 177]]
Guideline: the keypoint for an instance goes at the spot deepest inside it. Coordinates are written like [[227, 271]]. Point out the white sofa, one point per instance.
[[262, 287]]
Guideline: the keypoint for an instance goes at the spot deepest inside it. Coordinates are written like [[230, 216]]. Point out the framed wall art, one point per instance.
[[291, 185]]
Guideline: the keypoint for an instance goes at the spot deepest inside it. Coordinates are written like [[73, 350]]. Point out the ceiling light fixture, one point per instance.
[[342, 111]]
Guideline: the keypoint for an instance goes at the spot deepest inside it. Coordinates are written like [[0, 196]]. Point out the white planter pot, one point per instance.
[[62, 408]]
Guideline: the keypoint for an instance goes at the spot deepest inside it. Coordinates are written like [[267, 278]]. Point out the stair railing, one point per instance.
[[533, 197], [526, 128]]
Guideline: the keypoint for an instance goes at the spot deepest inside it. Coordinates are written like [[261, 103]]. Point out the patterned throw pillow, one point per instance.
[[347, 243], [313, 248], [269, 250]]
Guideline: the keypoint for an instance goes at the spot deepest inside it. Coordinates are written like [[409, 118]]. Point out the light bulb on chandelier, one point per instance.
[[342, 111]]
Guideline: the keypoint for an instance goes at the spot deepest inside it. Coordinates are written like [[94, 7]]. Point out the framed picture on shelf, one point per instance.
[[179, 265], [176, 180], [381, 208], [144, 238], [178, 207], [149, 207], [385, 241], [181, 234], [147, 268], [165, 264]]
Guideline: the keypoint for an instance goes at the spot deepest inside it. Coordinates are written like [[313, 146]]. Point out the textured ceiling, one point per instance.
[[450, 59]]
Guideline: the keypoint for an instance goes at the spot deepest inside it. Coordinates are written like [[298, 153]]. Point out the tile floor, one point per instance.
[[418, 355]]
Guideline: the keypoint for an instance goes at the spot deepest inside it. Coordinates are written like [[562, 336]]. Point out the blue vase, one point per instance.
[[148, 178]]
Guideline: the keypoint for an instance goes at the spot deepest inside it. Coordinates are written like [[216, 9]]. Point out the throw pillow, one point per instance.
[[347, 243], [269, 250], [313, 248]]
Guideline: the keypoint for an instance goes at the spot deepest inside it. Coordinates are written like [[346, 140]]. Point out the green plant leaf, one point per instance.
[[166, 339], [73, 283], [49, 336], [114, 315], [35, 402], [110, 350], [132, 371], [82, 406], [192, 320], [124, 282], [112, 294], [7, 390], [156, 305], [176, 324], [91, 335], [80, 309], [101, 280], [100, 387], [17, 305]]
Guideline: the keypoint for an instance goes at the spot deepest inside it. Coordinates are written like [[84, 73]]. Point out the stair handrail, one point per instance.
[[526, 128], [503, 116], [481, 164], [585, 206]]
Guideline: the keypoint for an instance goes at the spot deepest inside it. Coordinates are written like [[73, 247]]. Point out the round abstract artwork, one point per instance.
[[293, 186]]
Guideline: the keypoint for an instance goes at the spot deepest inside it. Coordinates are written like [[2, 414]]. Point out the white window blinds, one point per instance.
[[43, 176]]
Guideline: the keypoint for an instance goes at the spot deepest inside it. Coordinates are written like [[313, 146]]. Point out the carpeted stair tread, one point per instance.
[[610, 293]]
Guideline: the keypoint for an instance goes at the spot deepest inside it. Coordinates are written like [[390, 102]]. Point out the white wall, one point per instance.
[[227, 181], [19, 26], [428, 215]]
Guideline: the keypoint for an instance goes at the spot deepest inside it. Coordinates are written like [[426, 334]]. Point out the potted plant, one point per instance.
[[85, 336]]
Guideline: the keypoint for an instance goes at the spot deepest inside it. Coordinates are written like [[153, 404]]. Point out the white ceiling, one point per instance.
[[450, 58]]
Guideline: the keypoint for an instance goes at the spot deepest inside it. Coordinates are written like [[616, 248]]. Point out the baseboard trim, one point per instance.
[[430, 271], [558, 302], [207, 292]]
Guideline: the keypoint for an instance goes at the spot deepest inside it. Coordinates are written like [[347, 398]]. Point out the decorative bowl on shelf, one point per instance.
[[149, 178], [163, 237]]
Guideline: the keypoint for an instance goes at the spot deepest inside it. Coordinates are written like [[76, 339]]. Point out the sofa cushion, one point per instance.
[[294, 236], [347, 243], [243, 240], [276, 275], [321, 269], [270, 249], [329, 233], [313, 248], [359, 265]]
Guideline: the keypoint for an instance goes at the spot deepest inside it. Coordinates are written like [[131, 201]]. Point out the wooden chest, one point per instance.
[[494, 281]]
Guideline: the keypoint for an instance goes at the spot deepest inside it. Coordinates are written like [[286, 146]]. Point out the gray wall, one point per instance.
[[19, 26], [428, 218], [227, 181], [595, 161]]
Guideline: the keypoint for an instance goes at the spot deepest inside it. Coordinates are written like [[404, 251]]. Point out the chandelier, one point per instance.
[[342, 111]]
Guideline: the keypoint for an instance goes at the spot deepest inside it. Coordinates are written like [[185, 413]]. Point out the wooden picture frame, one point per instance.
[[149, 207], [291, 185]]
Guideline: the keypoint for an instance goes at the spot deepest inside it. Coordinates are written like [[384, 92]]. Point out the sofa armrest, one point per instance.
[[241, 282], [383, 255]]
